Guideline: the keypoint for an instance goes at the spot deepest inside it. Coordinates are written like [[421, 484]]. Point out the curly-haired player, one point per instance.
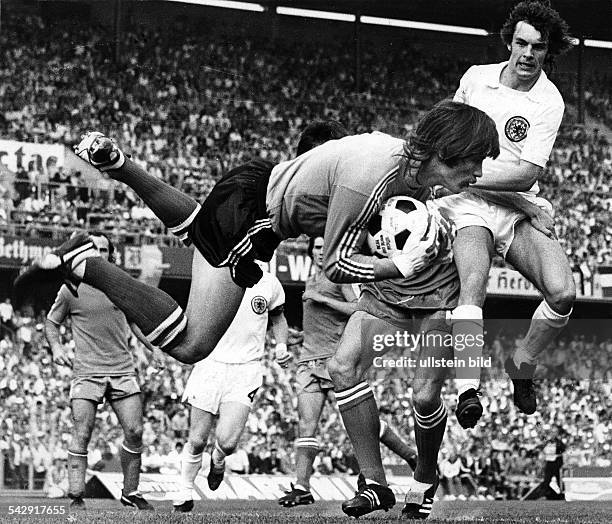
[[527, 109]]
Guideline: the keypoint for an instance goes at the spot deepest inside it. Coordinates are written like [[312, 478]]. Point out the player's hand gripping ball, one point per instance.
[[414, 235]]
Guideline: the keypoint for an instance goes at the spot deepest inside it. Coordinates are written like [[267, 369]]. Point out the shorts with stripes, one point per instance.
[[232, 228]]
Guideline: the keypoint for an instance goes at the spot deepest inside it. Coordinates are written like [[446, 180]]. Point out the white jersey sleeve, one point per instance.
[[277, 297]]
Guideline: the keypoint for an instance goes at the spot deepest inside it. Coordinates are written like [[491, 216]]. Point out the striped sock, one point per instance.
[[306, 449], [428, 433], [77, 466], [360, 416], [155, 312], [130, 464]]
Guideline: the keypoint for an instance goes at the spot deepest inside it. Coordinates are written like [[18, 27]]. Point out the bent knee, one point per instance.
[[561, 296], [427, 398], [196, 445], [343, 374]]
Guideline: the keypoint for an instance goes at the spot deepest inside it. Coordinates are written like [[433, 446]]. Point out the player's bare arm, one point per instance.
[[538, 217], [517, 178]]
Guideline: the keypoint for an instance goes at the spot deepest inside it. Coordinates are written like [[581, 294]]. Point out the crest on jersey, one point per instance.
[[516, 128], [259, 304]]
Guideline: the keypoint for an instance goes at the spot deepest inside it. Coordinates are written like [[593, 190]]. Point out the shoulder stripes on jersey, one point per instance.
[[351, 235]]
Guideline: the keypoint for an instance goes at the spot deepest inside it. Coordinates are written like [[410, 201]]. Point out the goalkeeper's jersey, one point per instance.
[[334, 190]]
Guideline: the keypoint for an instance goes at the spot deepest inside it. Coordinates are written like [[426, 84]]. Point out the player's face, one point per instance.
[[527, 53], [102, 246], [317, 252], [459, 177]]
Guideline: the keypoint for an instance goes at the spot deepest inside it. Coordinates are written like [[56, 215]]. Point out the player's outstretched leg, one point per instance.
[[395, 443], [542, 261], [213, 301], [310, 405], [175, 209], [359, 411]]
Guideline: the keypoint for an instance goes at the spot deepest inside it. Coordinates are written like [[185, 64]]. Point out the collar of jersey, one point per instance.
[[536, 93]]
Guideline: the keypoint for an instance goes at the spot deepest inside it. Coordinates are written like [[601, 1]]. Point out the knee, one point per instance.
[[343, 374], [196, 445], [228, 443], [133, 435], [426, 398], [561, 296], [189, 353]]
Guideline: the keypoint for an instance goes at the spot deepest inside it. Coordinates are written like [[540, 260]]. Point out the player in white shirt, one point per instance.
[[492, 218], [225, 384]]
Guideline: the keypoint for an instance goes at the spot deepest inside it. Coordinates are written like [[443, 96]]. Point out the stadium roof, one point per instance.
[[587, 18]]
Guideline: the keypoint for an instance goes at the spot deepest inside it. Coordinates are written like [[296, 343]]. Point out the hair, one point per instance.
[[319, 132], [111, 247], [454, 131], [546, 20], [311, 241]]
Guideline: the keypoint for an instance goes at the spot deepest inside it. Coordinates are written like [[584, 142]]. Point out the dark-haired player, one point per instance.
[[103, 368], [332, 190], [527, 109]]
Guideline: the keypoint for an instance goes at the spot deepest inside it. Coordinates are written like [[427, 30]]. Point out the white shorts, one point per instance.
[[466, 209], [213, 383]]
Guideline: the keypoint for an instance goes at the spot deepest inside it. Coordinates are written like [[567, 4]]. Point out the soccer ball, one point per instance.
[[399, 225]]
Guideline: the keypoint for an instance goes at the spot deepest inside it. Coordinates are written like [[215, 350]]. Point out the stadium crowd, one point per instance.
[[501, 458], [189, 108]]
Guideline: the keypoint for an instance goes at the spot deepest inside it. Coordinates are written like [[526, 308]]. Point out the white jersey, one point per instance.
[[245, 339], [527, 121]]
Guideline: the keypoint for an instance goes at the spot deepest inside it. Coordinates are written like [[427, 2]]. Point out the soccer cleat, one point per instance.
[[99, 151], [136, 500], [368, 498], [469, 408], [215, 475], [419, 499], [296, 497], [183, 507], [524, 391], [77, 502], [55, 267]]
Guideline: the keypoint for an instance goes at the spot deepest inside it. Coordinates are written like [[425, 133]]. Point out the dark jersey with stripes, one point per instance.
[[334, 190]]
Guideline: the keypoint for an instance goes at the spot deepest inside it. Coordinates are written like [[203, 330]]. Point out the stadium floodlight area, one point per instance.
[[602, 44], [228, 4], [424, 26], [370, 20], [311, 13]]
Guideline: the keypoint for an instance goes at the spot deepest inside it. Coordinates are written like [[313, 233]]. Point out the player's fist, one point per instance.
[[282, 356]]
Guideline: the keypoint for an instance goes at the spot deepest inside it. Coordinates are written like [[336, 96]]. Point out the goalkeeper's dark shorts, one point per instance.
[[232, 228]]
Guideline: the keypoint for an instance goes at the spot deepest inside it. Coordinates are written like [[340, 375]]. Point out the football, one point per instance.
[[401, 222]]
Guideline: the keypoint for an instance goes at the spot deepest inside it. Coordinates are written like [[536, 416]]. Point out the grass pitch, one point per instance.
[[102, 511]]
